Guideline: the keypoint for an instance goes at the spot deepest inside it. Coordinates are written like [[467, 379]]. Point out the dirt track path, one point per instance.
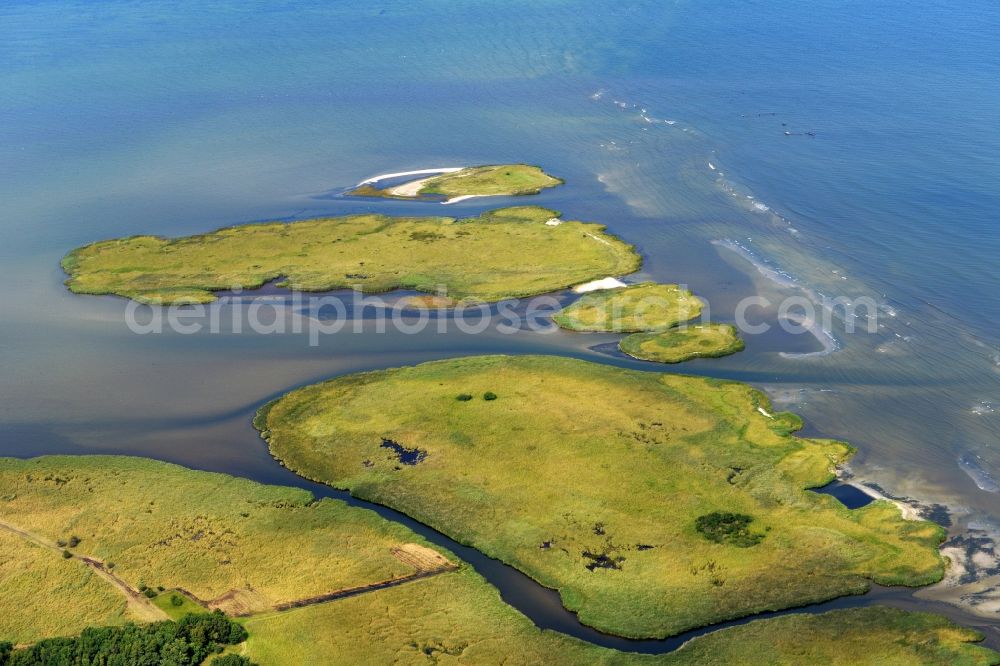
[[361, 589], [139, 606], [426, 562]]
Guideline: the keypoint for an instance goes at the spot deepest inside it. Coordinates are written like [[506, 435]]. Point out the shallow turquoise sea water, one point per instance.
[[668, 120]]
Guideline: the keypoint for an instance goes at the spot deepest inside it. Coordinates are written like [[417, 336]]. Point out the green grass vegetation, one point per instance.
[[458, 618], [510, 179], [683, 343], [640, 307], [231, 543], [590, 479], [189, 641], [503, 253], [488, 180], [177, 604], [47, 595], [651, 312]]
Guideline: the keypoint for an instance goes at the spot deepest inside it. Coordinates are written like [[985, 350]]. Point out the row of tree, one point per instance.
[[187, 642]]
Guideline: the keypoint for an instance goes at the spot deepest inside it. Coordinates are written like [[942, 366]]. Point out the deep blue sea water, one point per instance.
[[848, 146]]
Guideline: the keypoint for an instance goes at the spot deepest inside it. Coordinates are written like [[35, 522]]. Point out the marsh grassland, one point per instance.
[[592, 479], [487, 180], [230, 543], [504, 253], [454, 616], [45, 594], [458, 618]]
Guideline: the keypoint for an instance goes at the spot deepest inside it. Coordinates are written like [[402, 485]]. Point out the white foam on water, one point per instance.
[[823, 336], [776, 275], [982, 408], [970, 463]]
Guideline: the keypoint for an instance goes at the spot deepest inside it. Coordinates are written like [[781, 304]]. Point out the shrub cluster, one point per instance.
[[465, 397], [728, 528]]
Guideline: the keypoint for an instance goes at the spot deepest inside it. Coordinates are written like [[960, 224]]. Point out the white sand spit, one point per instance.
[[417, 172], [909, 512], [595, 285], [409, 188], [467, 196]]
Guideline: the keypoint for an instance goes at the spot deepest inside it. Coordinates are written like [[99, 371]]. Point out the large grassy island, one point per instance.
[[509, 252], [478, 181], [653, 503]]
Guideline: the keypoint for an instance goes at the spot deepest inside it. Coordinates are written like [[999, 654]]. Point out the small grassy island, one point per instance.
[[640, 307], [99, 540], [683, 344], [594, 480], [504, 253], [478, 181], [651, 312]]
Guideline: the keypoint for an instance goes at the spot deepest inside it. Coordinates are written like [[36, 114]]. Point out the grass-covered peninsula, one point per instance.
[[100, 540], [487, 180], [610, 485], [509, 252], [656, 316], [458, 618]]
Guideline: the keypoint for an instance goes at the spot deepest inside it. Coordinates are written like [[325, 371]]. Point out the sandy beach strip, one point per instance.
[[410, 188], [909, 512], [469, 196]]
